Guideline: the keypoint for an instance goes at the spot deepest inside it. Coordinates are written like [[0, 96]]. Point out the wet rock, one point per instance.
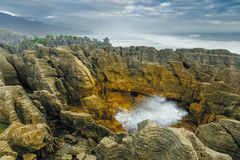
[[146, 123]]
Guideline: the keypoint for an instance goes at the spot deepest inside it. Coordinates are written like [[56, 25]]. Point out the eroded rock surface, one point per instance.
[[20, 140], [222, 136], [84, 125], [154, 142], [59, 102], [27, 137], [100, 81], [17, 106]]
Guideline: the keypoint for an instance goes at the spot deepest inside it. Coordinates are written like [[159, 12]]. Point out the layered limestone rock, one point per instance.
[[28, 138], [1, 80], [17, 106], [194, 78], [7, 72], [78, 90], [20, 138], [7, 158], [222, 136], [100, 81], [74, 146], [154, 142], [57, 71], [6, 150], [84, 124]]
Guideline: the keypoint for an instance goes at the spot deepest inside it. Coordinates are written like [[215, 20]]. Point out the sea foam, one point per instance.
[[174, 42], [158, 109]]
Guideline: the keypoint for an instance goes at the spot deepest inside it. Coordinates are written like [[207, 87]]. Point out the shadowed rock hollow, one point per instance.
[[73, 94]]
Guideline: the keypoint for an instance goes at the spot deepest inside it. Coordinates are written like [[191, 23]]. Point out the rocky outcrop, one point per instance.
[[102, 81], [80, 148], [28, 137], [6, 150], [1, 80], [74, 92], [7, 158], [222, 136], [84, 124], [19, 139], [154, 142], [195, 78], [17, 106], [7, 71]]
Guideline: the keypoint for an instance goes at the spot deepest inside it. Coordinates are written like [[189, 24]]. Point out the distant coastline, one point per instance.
[[175, 41]]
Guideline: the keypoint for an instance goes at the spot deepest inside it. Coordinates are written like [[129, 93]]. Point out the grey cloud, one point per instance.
[[143, 15]]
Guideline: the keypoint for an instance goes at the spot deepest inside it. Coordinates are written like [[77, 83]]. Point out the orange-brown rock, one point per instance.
[[104, 81], [196, 77], [78, 90], [29, 137], [83, 124]]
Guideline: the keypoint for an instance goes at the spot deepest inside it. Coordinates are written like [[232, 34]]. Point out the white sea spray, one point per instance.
[[158, 109]]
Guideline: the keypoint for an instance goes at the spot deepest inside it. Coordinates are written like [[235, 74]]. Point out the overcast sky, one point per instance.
[[150, 16]]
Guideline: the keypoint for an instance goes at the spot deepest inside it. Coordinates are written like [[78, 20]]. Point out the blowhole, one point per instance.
[[134, 94], [158, 109]]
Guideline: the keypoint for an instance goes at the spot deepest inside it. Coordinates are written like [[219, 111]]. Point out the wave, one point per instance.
[[174, 42], [158, 109], [194, 35], [207, 41]]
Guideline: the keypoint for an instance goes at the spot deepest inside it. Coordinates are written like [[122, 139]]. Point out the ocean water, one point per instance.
[[212, 36], [157, 109], [229, 41]]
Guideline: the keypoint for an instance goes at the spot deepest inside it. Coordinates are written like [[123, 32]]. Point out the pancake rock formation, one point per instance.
[[59, 102]]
